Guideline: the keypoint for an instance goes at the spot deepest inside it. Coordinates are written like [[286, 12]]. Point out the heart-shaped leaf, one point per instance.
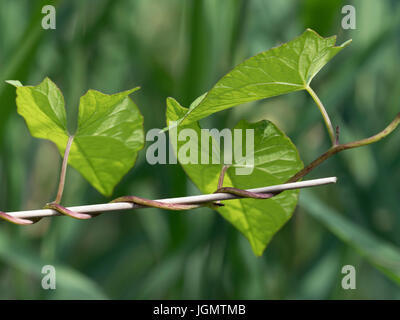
[[109, 135], [275, 160], [284, 69]]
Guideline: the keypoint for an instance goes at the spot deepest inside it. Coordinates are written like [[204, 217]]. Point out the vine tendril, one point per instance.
[[220, 189]]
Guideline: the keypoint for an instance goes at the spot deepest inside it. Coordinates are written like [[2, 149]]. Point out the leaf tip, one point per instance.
[[171, 100], [163, 130], [134, 90], [309, 30], [15, 83], [258, 252], [343, 45], [346, 43]]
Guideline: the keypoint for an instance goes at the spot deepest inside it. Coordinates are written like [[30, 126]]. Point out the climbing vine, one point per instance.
[[110, 135]]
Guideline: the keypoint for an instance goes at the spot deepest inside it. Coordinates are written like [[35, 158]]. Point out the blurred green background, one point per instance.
[[180, 48]]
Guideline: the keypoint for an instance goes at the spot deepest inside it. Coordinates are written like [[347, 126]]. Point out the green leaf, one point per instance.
[[381, 254], [284, 69], [109, 135], [275, 160]]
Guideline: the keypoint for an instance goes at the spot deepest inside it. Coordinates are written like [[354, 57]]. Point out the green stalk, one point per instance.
[[325, 115], [63, 171], [336, 148]]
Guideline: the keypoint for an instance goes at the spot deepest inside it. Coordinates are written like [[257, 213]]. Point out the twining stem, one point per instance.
[[340, 147], [221, 179], [222, 176], [63, 171], [86, 212], [325, 115], [193, 201], [333, 150]]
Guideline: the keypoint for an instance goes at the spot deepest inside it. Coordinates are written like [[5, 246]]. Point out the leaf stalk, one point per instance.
[[63, 171], [340, 147], [325, 115]]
